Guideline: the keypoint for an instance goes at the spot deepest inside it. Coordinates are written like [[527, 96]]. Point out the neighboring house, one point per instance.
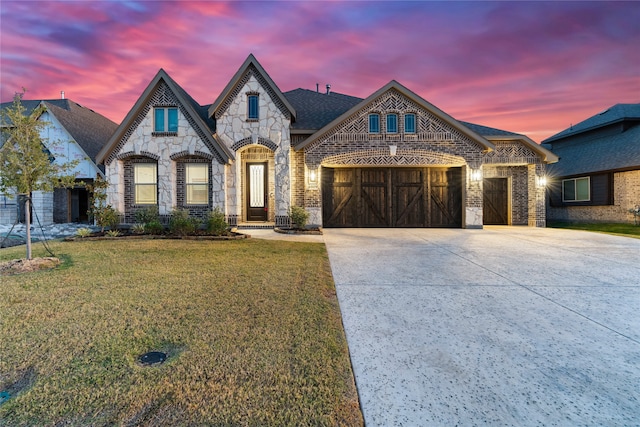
[[598, 175], [73, 132], [390, 160]]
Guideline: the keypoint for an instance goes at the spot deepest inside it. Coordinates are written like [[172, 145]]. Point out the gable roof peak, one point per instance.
[[191, 107], [230, 91]]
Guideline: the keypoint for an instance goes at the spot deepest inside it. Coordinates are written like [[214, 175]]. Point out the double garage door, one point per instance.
[[392, 197]]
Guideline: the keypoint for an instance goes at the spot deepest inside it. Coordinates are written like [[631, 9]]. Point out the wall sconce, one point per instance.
[[393, 149], [476, 175], [541, 181], [313, 178]]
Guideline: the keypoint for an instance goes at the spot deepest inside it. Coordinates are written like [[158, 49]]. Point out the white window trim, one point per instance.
[[136, 184], [166, 109], [188, 184], [575, 192]]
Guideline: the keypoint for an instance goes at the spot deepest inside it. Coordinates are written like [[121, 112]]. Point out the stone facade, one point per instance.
[[142, 144], [626, 195], [270, 130]]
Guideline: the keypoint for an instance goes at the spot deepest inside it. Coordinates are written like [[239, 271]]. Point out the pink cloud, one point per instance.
[[525, 67]]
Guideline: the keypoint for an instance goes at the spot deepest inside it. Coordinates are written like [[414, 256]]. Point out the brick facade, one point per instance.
[[626, 195]]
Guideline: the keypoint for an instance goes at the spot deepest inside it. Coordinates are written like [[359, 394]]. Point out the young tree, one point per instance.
[[25, 163]]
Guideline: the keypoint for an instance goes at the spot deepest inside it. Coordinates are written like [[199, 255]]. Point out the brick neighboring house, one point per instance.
[[73, 132], [598, 175], [390, 160]]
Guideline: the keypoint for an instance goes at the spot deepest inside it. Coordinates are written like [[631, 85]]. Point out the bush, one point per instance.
[[216, 224], [113, 233], [107, 216], [181, 224], [83, 232], [298, 216], [137, 228], [147, 215], [154, 227]]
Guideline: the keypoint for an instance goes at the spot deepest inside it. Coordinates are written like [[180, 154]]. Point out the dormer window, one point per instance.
[[253, 108], [374, 123], [165, 120], [392, 123]]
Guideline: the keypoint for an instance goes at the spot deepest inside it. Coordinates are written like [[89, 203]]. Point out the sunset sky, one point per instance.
[[528, 67]]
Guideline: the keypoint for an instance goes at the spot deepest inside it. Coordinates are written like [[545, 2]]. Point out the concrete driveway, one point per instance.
[[501, 326]]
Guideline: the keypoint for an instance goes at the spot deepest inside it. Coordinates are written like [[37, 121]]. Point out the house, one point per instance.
[[597, 178], [390, 160], [73, 132]]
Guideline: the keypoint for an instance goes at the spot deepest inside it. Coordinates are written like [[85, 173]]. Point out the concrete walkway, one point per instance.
[[503, 326]]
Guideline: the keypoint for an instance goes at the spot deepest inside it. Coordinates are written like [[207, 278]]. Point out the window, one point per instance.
[[197, 182], [392, 123], [410, 123], [253, 112], [165, 119], [576, 190], [374, 123], [145, 180]]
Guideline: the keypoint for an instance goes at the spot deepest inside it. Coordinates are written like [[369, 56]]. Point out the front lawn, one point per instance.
[[620, 229], [252, 331]]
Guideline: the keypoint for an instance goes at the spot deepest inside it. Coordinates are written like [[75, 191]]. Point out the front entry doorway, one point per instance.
[[257, 191], [495, 206]]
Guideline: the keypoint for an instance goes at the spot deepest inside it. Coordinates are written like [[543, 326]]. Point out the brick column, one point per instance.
[[536, 205]]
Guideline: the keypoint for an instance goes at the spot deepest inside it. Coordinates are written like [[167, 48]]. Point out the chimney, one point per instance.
[[318, 87], [328, 88], [61, 94]]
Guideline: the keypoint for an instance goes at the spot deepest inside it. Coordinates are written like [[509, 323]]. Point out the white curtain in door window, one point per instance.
[[256, 177]]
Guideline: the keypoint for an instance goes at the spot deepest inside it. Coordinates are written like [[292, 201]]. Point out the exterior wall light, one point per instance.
[[313, 178], [393, 149], [476, 175], [541, 181]]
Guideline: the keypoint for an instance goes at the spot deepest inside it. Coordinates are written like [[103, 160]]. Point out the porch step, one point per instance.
[[255, 225]]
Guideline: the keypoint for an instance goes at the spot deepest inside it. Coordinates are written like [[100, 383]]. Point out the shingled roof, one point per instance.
[[88, 128], [608, 141], [616, 114], [316, 109]]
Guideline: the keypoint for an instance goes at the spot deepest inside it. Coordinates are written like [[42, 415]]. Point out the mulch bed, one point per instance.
[[17, 266]]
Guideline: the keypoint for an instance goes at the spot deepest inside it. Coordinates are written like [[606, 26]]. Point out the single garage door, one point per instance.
[[392, 197]]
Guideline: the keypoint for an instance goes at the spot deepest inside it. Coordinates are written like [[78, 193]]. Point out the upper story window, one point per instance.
[[410, 123], [197, 183], [145, 181], [253, 108], [392, 123], [576, 190], [374, 123], [165, 119]]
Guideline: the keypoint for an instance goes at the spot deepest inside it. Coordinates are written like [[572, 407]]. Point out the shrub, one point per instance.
[[137, 228], [298, 216], [154, 227], [83, 232], [113, 233], [147, 215], [107, 216], [181, 224], [216, 224]]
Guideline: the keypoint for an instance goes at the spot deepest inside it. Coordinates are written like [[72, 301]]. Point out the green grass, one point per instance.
[[252, 329], [620, 229]]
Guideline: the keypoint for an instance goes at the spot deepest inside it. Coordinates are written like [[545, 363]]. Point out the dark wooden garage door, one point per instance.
[[495, 201], [392, 197]]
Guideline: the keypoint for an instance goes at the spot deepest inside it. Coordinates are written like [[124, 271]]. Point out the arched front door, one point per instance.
[[257, 201]]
